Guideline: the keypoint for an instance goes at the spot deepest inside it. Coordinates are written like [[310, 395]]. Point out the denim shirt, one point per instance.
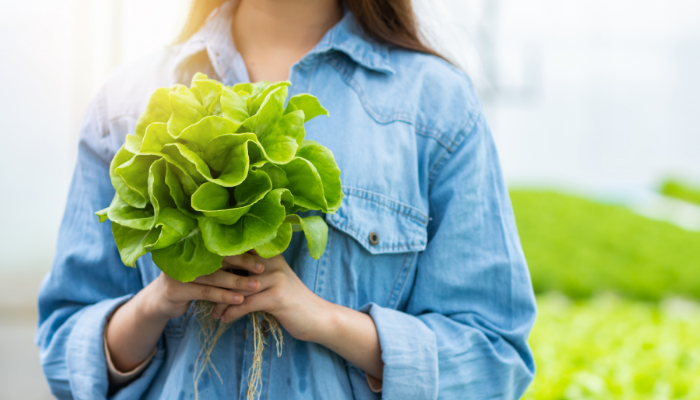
[[446, 282]]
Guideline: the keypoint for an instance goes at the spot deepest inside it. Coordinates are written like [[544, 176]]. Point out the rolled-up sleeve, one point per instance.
[[87, 281], [464, 332]]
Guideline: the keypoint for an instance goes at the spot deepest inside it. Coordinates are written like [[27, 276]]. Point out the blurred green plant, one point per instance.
[[609, 348], [681, 191], [579, 247]]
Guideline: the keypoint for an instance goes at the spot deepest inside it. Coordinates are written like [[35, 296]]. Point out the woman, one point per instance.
[[423, 291]]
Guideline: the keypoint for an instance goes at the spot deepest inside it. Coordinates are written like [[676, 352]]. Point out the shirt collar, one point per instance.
[[346, 37], [215, 38]]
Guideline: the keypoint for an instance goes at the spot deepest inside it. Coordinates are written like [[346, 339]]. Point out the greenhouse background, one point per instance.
[[595, 109]]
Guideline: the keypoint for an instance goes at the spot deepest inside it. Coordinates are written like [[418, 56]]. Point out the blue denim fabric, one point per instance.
[[447, 284]]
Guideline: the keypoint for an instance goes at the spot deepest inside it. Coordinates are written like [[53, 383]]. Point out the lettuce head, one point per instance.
[[214, 170]]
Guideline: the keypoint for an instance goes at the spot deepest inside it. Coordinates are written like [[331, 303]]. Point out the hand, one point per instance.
[[282, 294], [350, 333], [136, 326], [168, 298]]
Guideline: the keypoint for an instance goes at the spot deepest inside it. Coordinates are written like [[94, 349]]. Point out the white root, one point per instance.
[[211, 331]]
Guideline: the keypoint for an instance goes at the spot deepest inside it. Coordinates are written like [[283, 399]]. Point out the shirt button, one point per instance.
[[373, 238]]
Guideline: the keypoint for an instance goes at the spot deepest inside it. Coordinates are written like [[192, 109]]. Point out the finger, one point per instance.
[[272, 277], [246, 261], [219, 309], [227, 280], [213, 294], [262, 301]]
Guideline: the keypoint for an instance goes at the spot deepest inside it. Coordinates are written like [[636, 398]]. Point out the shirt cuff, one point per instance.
[[375, 384], [409, 352]]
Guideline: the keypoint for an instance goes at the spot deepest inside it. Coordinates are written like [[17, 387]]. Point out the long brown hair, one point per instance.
[[386, 21]]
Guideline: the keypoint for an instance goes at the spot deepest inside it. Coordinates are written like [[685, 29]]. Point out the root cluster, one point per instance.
[[211, 331]]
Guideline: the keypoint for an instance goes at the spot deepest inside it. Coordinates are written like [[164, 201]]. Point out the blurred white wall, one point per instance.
[[614, 105], [54, 56], [595, 95]]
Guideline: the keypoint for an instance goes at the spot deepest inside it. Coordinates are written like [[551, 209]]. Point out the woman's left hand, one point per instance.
[[349, 333], [281, 293]]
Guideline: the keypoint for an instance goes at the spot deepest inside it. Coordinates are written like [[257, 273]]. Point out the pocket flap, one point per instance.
[[380, 224]]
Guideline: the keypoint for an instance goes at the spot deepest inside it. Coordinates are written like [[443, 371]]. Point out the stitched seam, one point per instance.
[[396, 280], [443, 160], [312, 73], [466, 128], [406, 268], [423, 130], [397, 209], [422, 222], [437, 167], [356, 234], [396, 117], [318, 269]]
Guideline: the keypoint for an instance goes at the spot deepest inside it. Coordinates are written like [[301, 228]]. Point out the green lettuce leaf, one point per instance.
[[132, 243], [187, 259], [308, 104], [234, 105], [324, 162], [213, 170], [208, 128], [156, 138], [315, 231], [187, 110], [262, 90], [136, 218], [125, 192], [186, 160], [157, 110], [181, 187], [214, 200], [208, 91], [305, 184], [277, 175], [172, 226], [228, 157], [257, 227], [277, 245], [279, 134], [133, 187], [132, 143]]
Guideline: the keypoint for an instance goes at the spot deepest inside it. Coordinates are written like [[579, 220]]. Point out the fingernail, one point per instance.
[[216, 315], [237, 299], [258, 267], [252, 284]]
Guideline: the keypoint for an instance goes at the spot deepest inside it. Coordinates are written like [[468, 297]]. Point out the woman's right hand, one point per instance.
[[170, 298], [137, 325]]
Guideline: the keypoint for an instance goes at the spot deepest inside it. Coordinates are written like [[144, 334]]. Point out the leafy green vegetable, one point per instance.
[[580, 248], [589, 343], [609, 347], [681, 191], [213, 171]]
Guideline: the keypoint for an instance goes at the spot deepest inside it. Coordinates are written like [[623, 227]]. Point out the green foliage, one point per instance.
[[609, 348], [213, 171], [579, 247], [681, 191]]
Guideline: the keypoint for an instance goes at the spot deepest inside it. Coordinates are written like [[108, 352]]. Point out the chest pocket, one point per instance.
[[373, 245]]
